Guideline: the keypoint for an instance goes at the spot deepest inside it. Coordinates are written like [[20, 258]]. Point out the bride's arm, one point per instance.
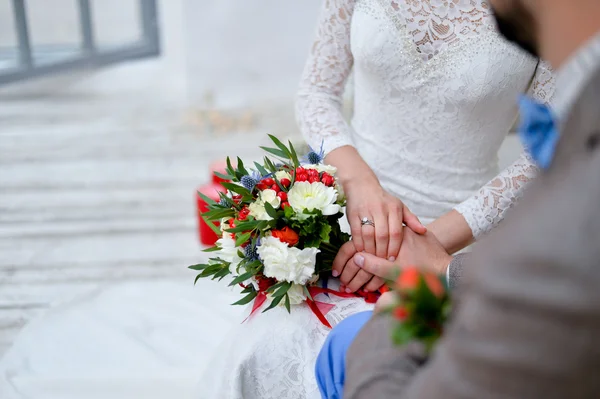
[[483, 211]]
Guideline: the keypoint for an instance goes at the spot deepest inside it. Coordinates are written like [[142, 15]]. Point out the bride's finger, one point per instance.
[[367, 232], [356, 230], [395, 231], [350, 270], [345, 253], [375, 284], [358, 281], [381, 235]]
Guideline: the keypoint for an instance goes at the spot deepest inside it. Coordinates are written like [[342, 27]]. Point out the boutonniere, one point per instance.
[[421, 307]]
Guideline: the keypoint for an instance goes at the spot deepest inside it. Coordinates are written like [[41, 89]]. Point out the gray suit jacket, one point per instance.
[[527, 315]]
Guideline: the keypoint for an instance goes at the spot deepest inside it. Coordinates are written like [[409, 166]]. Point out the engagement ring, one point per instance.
[[366, 221]]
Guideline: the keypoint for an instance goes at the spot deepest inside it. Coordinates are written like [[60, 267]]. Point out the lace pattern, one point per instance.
[[488, 207]]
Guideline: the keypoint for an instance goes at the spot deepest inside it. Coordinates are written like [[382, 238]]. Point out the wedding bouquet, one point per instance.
[[421, 307], [279, 228]]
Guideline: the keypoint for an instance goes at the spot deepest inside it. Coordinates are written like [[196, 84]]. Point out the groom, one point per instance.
[[527, 316]]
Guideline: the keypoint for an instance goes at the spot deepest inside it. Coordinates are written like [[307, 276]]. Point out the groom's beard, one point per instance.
[[518, 26]]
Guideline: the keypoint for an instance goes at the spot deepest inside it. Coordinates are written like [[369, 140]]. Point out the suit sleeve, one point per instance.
[[527, 316]]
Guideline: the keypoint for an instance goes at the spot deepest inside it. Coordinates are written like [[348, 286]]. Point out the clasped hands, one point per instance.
[[364, 270]]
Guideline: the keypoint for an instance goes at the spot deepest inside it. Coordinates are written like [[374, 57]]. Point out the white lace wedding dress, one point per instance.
[[435, 91]]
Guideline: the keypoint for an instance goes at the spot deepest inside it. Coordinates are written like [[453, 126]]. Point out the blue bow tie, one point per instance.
[[538, 131]]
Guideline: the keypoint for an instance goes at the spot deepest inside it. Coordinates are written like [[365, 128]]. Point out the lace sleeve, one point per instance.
[[487, 208], [319, 102]]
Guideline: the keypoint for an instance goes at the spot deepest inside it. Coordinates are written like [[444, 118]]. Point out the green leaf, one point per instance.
[[223, 176], [209, 201], [274, 303], [307, 293], [283, 289], [244, 226], [270, 210], [212, 269], [269, 164], [294, 156], [281, 146], [241, 278], [230, 169], [275, 286], [197, 278], [276, 152], [236, 188], [211, 249], [247, 299], [325, 231], [200, 266], [212, 226], [221, 273], [242, 239], [287, 303], [241, 167], [217, 214], [261, 169]]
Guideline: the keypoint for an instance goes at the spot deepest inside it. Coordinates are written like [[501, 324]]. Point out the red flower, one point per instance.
[[400, 313], [313, 179], [313, 173], [327, 179], [243, 214], [302, 177], [409, 279], [286, 235], [264, 283]]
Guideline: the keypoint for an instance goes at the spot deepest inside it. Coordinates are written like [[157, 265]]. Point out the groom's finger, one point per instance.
[[380, 267], [375, 284], [395, 227]]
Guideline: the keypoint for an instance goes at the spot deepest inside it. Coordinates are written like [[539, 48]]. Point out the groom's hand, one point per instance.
[[423, 251], [351, 276]]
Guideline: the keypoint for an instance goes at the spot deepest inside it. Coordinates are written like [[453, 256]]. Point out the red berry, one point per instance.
[[285, 182], [327, 180], [232, 223], [275, 188], [313, 179], [312, 172], [282, 195], [268, 181], [302, 177], [262, 186], [300, 170], [285, 204]]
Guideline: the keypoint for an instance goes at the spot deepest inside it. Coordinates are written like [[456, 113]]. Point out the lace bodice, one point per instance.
[[435, 91]]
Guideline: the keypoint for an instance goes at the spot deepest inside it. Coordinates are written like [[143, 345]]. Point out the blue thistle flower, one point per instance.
[[250, 253], [314, 157], [248, 182]]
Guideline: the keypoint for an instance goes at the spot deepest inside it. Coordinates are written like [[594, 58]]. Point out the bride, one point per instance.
[[435, 93]]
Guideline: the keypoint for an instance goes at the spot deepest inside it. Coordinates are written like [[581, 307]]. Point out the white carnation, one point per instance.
[[228, 252], [287, 264], [304, 195], [296, 294], [332, 170]]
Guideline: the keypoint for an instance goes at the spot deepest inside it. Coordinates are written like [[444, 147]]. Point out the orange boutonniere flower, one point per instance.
[[421, 309], [287, 235]]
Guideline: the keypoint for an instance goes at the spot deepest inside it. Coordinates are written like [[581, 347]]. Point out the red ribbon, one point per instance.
[[320, 309], [258, 302]]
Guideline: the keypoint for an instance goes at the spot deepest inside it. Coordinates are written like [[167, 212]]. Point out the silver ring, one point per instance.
[[366, 222]]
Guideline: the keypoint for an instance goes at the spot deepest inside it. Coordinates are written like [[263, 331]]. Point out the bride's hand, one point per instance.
[[351, 276], [382, 234]]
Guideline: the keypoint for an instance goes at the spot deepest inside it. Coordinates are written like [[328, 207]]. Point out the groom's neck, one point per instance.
[[565, 27]]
